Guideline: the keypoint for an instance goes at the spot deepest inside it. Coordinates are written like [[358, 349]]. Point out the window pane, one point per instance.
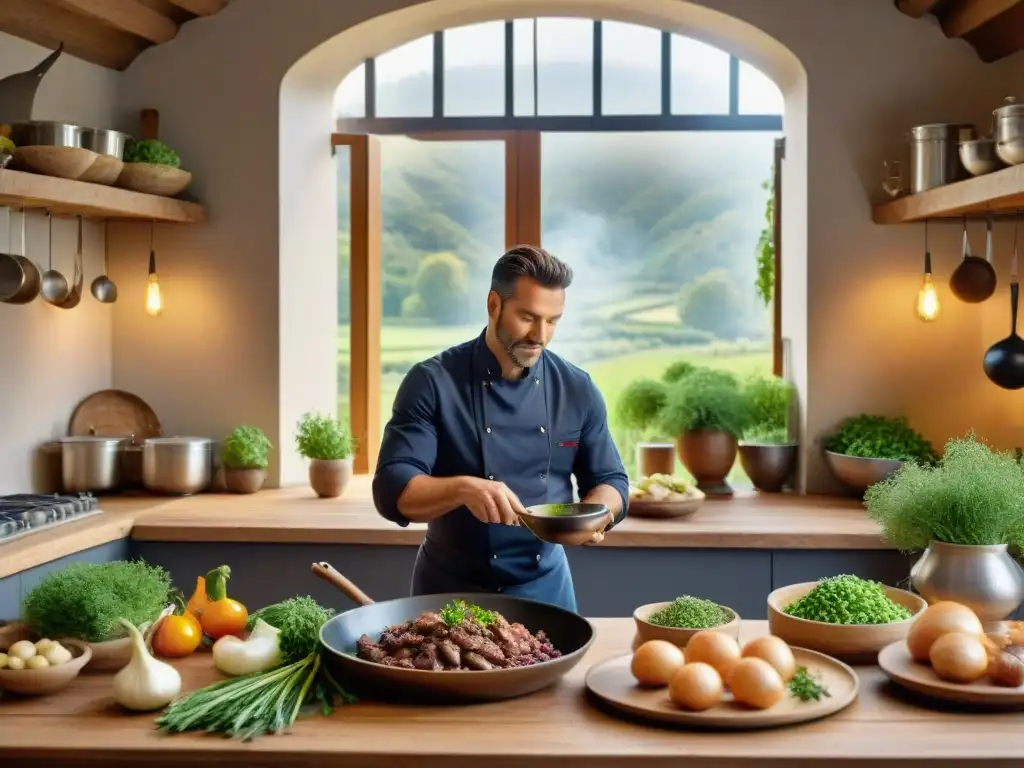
[[759, 95], [565, 67], [343, 161], [647, 221], [700, 78], [405, 80], [443, 222], [474, 70], [630, 69], [350, 98]]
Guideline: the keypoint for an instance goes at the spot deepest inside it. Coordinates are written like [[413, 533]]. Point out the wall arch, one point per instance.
[[308, 193]]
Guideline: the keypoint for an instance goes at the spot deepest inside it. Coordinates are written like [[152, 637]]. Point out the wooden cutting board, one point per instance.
[[114, 413]]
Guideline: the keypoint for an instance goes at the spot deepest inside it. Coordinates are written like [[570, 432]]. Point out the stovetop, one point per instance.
[[23, 513]]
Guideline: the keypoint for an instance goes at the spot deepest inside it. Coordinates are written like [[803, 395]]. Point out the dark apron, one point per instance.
[[461, 554]]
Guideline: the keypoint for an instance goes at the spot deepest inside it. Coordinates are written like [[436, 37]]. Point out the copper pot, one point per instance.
[[708, 455]]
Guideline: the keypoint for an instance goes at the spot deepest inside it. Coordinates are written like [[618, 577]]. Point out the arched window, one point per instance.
[[640, 157]]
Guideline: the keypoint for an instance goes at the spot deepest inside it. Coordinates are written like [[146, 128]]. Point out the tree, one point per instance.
[[442, 290], [711, 303]]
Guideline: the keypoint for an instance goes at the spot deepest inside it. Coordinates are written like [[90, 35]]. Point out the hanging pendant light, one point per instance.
[[927, 298], [154, 298]]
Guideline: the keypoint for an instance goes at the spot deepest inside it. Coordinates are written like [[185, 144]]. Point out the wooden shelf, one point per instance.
[[1001, 192], [30, 190]]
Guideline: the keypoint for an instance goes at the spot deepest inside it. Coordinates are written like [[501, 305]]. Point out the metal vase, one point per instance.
[[769, 467], [984, 578]]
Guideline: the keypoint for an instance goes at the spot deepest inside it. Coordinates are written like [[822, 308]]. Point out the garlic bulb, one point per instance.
[[23, 649], [146, 683], [258, 653], [57, 654]]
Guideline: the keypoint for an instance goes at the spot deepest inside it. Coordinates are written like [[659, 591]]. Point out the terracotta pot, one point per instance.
[[328, 477], [655, 459], [769, 467], [708, 455], [244, 480]]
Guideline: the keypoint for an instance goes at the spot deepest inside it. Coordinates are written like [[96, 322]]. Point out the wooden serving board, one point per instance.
[[114, 413], [612, 684], [668, 509], [897, 663]]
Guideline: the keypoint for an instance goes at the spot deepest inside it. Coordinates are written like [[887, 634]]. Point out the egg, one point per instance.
[[656, 662], [756, 684], [715, 648], [696, 687], [937, 620], [776, 652]]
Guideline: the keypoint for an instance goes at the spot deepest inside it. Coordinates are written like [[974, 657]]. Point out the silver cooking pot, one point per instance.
[[90, 463], [178, 466]]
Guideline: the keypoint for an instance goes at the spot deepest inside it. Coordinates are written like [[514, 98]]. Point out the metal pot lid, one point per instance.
[[935, 131], [1010, 108], [195, 441], [72, 440]]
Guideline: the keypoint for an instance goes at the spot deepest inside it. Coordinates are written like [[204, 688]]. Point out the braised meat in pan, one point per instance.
[[459, 636]]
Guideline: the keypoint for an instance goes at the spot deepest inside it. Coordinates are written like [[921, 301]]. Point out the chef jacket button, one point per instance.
[[536, 380], [543, 476], [490, 477], [538, 558], [495, 557], [499, 589], [488, 430], [542, 429]]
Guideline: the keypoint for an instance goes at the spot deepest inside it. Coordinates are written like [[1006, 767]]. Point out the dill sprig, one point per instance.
[[807, 687], [299, 620]]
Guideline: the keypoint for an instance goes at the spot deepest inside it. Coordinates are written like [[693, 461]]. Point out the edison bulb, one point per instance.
[[927, 300], [154, 301]]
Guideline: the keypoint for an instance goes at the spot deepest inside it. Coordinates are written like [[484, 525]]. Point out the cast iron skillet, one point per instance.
[[568, 632]]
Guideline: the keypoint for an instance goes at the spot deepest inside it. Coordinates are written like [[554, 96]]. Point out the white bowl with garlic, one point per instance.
[[41, 667]]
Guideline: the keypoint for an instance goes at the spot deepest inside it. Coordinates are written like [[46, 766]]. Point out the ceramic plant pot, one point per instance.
[[984, 578], [655, 459], [328, 477], [769, 467], [708, 455], [244, 480]]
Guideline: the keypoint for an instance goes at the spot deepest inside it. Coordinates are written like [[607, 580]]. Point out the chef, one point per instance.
[[490, 426]]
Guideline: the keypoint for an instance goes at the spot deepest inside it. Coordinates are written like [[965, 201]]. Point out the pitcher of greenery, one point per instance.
[[967, 513], [707, 411], [767, 454], [245, 456], [328, 445]]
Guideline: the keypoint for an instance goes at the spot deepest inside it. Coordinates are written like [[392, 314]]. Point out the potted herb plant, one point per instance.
[[245, 456], [707, 411], [328, 445], [150, 166], [965, 513], [767, 454], [638, 409], [866, 449]]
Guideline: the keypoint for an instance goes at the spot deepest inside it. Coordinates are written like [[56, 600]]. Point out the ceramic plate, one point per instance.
[[667, 509], [896, 661]]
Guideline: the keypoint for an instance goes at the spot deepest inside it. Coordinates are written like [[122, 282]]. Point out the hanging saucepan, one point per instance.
[[974, 279], [1004, 361], [19, 276]]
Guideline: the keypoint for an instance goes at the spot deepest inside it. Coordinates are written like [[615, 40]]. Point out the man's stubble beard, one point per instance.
[[508, 343]]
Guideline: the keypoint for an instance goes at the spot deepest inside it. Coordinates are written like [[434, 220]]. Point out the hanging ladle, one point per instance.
[[55, 286], [1004, 361], [974, 279], [103, 288]]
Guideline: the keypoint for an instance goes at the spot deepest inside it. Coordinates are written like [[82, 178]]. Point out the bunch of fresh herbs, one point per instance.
[[768, 399], [323, 437], [85, 600], [706, 399], [641, 403], [151, 151], [246, 448], [687, 612], [973, 496], [847, 599], [880, 437], [299, 620]]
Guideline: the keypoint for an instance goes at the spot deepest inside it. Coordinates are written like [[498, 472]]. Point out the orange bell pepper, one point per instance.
[[221, 615]]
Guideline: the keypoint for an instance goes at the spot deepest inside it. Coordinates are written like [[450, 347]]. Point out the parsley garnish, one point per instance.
[[458, 611], [806, 687]]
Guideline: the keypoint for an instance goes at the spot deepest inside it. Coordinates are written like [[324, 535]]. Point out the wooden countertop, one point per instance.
[[295, 515], [82, 726]]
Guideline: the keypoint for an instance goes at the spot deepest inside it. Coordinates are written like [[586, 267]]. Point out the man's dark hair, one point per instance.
[[532, 262]]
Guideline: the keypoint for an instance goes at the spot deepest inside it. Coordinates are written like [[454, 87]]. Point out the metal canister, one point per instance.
[[935, 155], [177, 465], [89, 463]]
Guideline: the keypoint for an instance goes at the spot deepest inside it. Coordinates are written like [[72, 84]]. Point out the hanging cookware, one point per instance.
[[75, 295], [974, 279], [1004, 361], [19, 276], [568, 632], [55, 288], [103, 288]]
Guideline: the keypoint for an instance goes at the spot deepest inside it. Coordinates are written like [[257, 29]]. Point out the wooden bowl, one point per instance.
[[154, 179], [646, 631], [856, 643], [62, 162], [112, 655], [39, 682], [668, 509], [106, 170]]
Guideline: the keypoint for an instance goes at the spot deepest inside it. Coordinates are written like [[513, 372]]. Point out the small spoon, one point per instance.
[[55, 286], [103, 288]]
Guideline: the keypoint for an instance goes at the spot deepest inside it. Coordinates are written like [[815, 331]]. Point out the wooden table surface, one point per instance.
[[82, 726], [295, 515]]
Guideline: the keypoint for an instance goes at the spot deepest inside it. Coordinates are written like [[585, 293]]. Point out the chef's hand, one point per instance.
[[598, 537], [491, 501]]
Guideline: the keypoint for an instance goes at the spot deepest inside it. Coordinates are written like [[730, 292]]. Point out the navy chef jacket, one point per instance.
[[455, 415]]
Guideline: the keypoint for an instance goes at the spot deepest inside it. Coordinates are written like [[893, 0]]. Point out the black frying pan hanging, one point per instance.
[[1004, 361], [974, 279], [568, 632]]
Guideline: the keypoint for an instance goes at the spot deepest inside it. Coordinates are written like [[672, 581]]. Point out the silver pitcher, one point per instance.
[[984, 578]]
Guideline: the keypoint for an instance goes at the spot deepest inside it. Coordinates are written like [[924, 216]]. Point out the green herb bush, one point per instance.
[[85, 600], [323, 437], [246, 448], [151, 151], [768, 399], [640, 403], [706, 399], [973, 496], [677, 370], [880, 437]]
